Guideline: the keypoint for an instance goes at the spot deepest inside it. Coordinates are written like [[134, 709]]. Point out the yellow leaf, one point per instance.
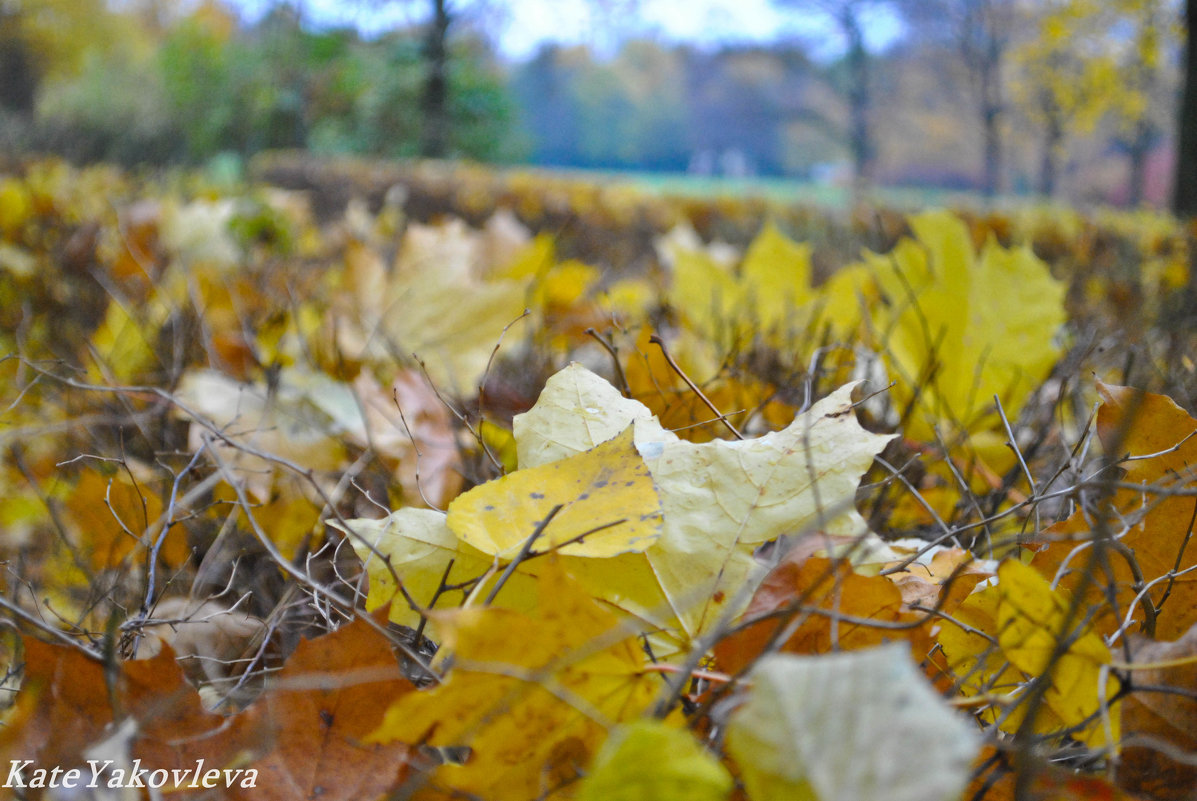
[[565, 284], [302, 420], [605, 491], [720, 499], [122, 345], [451, 325], [1027, 621], [651, 761], [709, 297], [16, 205], [576, 411], [962, 327], [1032, 621], [776, 275], [531, 695], [416, 547]]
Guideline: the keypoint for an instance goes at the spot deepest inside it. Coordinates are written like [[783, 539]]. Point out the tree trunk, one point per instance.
[[992, 100], [1053, 134], [1140, 147], [860, 137], [435, 138], [18, 74], [1184, 191], [991, 110]]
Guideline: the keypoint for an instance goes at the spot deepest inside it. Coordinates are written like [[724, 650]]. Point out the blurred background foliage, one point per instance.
[[1073, 99]]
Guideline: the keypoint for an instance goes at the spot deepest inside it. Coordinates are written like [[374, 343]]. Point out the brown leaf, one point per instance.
[[331, 693], [1159, 719], [65, 707], [1000, 777], [113, 514], [1158, 525], [845, 598]]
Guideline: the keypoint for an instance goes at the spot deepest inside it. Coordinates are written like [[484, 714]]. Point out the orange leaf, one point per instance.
[[1153, 713], [65, 707], [1157, 526], [834, 607], [332, 692]]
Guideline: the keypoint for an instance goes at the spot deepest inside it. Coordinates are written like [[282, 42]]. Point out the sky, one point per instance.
[[522, 25]]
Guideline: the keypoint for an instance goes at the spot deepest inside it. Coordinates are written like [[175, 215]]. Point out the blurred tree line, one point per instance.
[[1034, 96]]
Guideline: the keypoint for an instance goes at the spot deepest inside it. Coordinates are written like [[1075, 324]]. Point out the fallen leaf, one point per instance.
[[1152, 525], [648, 760], [1159, 720], [301, 419], [825, 607], [857, 726], [415, 548], [607, 506], [1027, 620], [114, 514], [961, 327], [531, 694], [66, 705], [331, 693]]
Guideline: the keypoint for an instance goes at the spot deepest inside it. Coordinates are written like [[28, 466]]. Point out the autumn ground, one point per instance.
[[431, 482]]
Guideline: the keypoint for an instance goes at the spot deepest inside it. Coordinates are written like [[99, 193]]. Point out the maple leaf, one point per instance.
[[961, 327], [1028, 621], [416, 548], [1153, 525], [113, 515], [531, 694], [832, 608], [300, 420], [607, 506], [318, 710], [720, 499], [67, 704], [649, 759], [435, 304], [770, 295], [857, 726]]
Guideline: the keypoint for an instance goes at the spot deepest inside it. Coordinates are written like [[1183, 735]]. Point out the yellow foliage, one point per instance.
[[531, 694], [962, 327], [649, 760], [1023, 631], [608, 506], [15, 206]]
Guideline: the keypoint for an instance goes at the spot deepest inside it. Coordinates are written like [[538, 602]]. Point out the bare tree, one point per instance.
[[1184, 194], [434, 140], [848, 16], [980, 32]]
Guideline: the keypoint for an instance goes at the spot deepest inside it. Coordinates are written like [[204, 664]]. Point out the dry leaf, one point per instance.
[[319, 709], [608, 506], [1160, 726], [1153, 527], [530, 694], [830, 606]]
